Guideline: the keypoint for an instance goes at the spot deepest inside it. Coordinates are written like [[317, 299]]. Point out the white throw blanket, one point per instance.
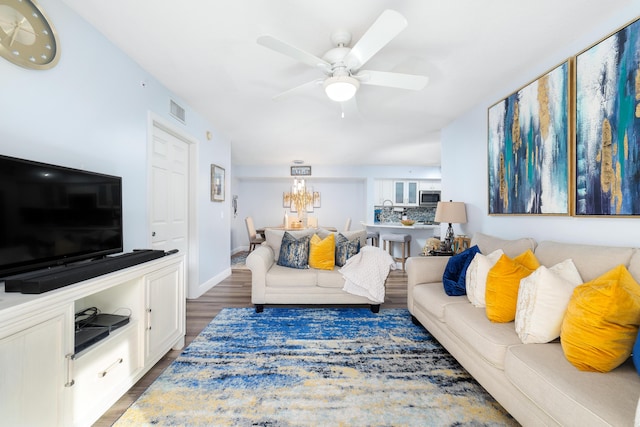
[[366, 272]]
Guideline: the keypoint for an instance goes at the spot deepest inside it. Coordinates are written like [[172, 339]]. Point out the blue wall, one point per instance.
[[464, 148], [91, 112]]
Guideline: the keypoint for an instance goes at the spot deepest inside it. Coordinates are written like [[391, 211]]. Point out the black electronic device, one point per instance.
[[37, 282], [110, 321], [52, 215], [87, 336]]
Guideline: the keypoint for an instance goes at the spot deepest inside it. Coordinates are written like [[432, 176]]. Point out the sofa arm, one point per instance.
[[259, 261], [426, 269]]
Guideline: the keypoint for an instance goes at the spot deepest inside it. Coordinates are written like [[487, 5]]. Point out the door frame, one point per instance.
[[191, 257]]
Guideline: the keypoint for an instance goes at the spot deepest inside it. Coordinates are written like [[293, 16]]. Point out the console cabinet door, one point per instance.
[[35, 372], [165, 303]]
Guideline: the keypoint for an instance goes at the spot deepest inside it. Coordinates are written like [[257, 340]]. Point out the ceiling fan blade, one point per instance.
[[388, 25], [292, 52], [397, 80], [287, 93]]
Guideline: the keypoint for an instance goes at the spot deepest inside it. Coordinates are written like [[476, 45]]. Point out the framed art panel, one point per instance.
[[286, 199], [528, 150], [300, 170], [309, 199], [608, 126], [217, 183], [316, 199]]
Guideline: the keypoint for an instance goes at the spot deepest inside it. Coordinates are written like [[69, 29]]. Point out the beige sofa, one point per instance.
[[275, 284], [534, 382]]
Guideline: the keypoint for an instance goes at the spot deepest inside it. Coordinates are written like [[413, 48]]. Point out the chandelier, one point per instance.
[[300, 196]]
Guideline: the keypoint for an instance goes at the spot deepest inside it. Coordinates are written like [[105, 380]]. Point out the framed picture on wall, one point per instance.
[[316, 199], [528, 149], [607, 126], [217, 183], [286, 199]]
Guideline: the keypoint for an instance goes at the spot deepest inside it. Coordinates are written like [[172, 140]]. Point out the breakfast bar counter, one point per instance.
[[419, 232]]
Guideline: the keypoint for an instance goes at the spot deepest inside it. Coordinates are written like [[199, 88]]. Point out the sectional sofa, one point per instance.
[[534, 382]]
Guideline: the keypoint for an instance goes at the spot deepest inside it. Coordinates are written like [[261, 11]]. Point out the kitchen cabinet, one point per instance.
[[384, 191], [405, 193], [430, 185]]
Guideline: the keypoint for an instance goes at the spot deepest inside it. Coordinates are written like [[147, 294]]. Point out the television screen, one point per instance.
[[52, 215]]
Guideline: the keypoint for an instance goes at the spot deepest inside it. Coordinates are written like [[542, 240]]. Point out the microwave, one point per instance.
[[429, 198]]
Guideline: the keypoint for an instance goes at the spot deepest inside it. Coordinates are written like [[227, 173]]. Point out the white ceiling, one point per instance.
[[205, 51]]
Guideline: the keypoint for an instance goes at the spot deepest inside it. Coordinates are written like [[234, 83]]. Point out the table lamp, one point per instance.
[[450, 212]]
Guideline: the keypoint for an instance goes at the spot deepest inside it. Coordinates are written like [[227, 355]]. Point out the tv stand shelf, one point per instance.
[[37, 343]]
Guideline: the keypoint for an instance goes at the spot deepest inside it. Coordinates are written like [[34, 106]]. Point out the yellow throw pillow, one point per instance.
[[601, 322], [322, 252], [503, 282]]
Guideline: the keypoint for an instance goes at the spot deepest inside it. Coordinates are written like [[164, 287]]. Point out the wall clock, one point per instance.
[[27, 38]]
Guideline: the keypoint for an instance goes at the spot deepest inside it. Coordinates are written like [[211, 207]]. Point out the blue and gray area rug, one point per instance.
[[238, 260], [315, 367]]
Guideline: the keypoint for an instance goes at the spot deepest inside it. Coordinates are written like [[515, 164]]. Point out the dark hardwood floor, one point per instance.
[[234, 291]]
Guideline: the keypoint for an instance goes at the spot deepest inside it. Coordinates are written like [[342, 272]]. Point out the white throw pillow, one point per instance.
[[543, 298], [476, 280]]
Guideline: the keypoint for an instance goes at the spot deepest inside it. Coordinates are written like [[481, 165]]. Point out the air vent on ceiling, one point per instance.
[[177, 111]]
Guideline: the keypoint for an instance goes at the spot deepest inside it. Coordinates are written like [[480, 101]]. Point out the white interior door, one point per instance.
[[170, 192]]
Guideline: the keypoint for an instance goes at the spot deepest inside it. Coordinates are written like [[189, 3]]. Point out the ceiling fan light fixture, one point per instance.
[[341, 88]]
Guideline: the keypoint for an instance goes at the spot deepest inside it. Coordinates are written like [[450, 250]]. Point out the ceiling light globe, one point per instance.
[[341, 88]]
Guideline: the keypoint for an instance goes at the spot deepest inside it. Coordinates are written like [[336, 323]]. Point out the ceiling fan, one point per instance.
[[342, 65]]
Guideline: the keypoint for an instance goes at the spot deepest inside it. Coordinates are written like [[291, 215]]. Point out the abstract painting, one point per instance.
[[607, 154], [528, 136]]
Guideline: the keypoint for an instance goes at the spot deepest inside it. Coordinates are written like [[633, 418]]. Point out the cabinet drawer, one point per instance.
[[104, 372]]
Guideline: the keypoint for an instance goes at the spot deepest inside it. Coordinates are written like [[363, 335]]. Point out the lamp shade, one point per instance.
[[341, 88], [451, 212]]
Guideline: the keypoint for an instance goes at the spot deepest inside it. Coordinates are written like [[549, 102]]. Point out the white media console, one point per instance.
[[42, 381]]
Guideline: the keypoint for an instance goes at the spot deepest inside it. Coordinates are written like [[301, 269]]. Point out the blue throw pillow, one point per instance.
[[636, 353], [345, 249], [455, 273], [294, 252]]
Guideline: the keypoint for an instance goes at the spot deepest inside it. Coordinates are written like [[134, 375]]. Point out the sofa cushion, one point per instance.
[[322, 252], [294, 252], [636, 353], [455, 273], [572, 397], [330, 278], [511, 248], [476, 280], [279, 277], [432, 297], [345, 248], [273, 238], [503, 282], [634, 265], [601, 322], [361, 235], [592, 261], [542, 301], [490, 340]]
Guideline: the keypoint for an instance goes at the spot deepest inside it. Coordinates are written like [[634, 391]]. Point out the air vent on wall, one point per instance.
[[177, 111]]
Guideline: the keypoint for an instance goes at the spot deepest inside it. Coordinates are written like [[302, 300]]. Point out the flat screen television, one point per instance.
[[52, 215]]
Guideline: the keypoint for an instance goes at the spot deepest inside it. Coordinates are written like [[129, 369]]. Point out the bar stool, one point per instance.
[[403, 239], [374, 236]]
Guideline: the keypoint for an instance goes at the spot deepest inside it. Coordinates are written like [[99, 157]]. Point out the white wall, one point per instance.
[[91, 112], [464, 164], [346, 192]]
